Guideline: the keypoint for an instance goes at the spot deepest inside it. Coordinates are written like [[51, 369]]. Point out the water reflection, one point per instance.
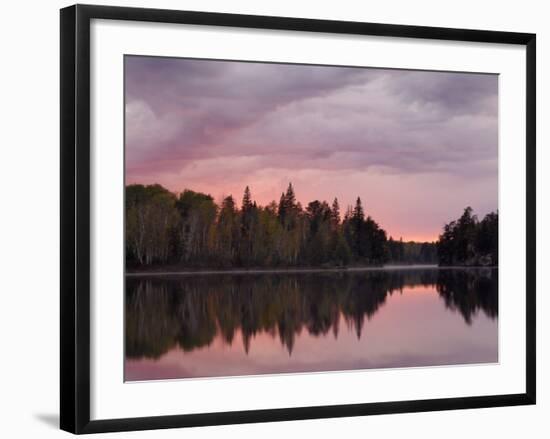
[[191, 312]]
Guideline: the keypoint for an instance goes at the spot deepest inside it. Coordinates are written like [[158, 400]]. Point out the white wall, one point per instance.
[[29, 182]]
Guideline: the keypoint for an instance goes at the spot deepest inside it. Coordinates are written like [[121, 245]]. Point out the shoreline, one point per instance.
[[305, 270]]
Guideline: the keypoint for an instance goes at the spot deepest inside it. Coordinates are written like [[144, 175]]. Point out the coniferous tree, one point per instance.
[[358, 213], [335, 214], [247, 199], [359, 243], [468, 241], [281, 208], [246, 243], [290, 197], [191, 230]]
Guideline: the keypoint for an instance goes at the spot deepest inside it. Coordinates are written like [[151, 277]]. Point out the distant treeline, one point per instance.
[[468, 241], [411, 252], [191, 230]]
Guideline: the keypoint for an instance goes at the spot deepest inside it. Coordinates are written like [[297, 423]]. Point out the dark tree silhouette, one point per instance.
[[190, 230], [469, 242], [190, 311]]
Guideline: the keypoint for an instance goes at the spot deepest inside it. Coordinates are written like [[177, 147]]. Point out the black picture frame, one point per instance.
[[75, 217]]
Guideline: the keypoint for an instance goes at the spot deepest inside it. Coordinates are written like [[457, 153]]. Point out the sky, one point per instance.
[[416, 146]]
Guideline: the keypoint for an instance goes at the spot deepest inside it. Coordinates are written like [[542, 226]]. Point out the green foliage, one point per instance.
[[191, 230], [412, 252], [151, 221], [468, 241], [367, 241], [198, 214]]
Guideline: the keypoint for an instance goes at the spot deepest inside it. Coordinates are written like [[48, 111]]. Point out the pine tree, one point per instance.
[[281, 210], [359, 244], [247, 199], [288, 208], [348, 214], [358, 213], [335, 214], [290, 197], [246, 217], [247, 232]]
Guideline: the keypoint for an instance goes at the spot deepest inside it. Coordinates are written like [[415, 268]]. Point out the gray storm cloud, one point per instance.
[[296, 116], [417, 146]]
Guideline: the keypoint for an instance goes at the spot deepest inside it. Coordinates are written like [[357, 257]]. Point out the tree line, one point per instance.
[[192, 230], [412, 252], [468, 241]]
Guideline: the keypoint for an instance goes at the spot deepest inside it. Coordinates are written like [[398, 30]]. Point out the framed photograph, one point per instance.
[[275, 218]]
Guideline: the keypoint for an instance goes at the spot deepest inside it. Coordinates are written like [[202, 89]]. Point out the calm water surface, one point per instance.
[[204, 325]]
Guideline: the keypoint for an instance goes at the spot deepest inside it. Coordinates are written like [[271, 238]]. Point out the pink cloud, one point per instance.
[[417, 147]]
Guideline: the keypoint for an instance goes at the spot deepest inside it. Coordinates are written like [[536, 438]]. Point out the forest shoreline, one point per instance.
[[168, 272]]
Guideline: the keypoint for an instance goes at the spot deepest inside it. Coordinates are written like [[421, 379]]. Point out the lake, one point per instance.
[[228, 324]]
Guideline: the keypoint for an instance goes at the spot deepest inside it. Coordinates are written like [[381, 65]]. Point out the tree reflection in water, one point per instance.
[[190, 311]]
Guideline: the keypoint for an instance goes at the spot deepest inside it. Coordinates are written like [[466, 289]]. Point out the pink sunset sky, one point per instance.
[[416, 146]]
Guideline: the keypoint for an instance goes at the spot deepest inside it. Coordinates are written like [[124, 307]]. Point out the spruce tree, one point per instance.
[[247, 199], [290, 198], [335, 214], [358, 213]]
